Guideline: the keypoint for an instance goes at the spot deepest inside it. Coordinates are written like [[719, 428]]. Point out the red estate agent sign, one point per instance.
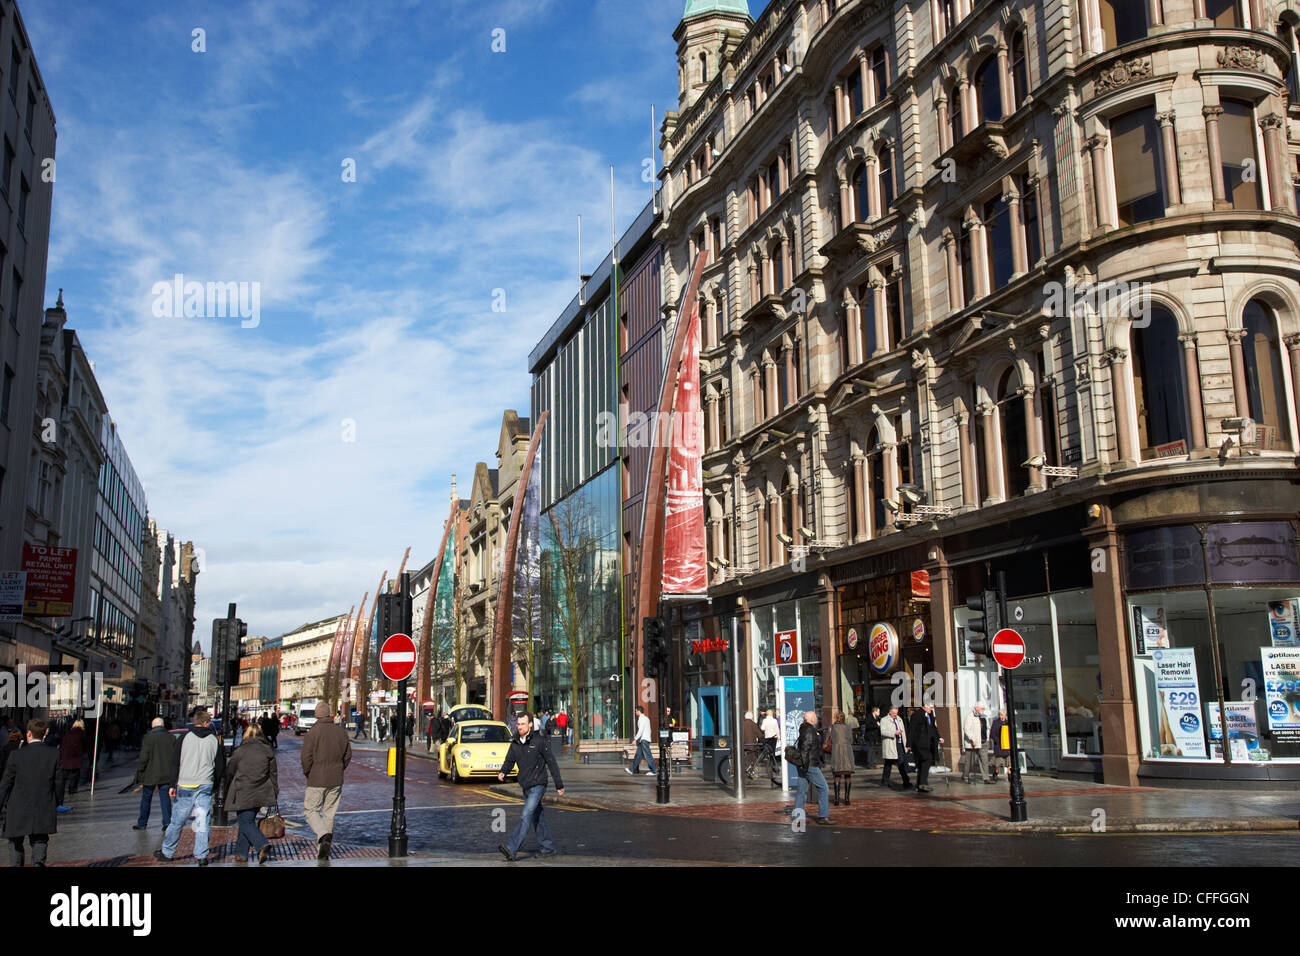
[[51, 580], [397, 657], [1008, 648]]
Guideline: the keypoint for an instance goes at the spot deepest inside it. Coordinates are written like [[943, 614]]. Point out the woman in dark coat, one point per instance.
[[842, 757], [251, 783], [71, 750]]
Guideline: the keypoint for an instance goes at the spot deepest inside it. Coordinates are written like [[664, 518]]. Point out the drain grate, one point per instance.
[[289, 849]]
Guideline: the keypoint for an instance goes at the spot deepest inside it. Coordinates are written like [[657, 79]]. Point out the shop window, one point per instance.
[[1241, 168], [1139, 177], [1222, 13], [997, 230], [1015, 444], [1266, 390], [1159, 389], [1019, 69], [988, 91], [885, 163], [1122, 21]]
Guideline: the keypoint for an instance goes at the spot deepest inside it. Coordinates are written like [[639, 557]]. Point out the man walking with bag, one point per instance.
[[532, 753], [975, 736], [809, 769], [326, 753]]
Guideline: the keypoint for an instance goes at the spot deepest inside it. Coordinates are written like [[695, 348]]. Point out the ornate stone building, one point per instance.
[[1001, 287]]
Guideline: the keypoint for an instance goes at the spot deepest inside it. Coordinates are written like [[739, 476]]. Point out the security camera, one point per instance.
[[806, 533], [724, 562], [911, 493], [1237, 424], [891, 504], [785, 539], [714, 564]]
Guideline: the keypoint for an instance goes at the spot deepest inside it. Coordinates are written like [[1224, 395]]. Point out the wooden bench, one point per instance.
[[588, 747], [680, 753]]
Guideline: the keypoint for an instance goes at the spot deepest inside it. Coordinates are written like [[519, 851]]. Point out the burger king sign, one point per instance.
[[882, 648]]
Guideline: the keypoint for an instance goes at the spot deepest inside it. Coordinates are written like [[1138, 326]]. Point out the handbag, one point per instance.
[[792, 756], [272, 825], [826, 747]]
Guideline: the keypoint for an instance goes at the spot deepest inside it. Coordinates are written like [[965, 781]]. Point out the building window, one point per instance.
[[979, 471], [1139, 179], [867, 312], [894, 310], [1122, 21], [947, 16], [778, 266], [876, 467], [1240, 158], [988, 91], [704, 68], [715, 230], [854, 92], [879, 74], [1286, 32], [861, 194], [1265, 381], [965, 264], [1161, 394], [1223, 13], [886, 165], [24, 192], [956, 129], [997, 230], [773, 183], [1029, 217], [31, 113], [1047, 410], [1019, 69], [1015, 440]]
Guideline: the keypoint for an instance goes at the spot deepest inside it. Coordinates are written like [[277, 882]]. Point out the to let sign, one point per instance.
[[51, 580], [397, 657]]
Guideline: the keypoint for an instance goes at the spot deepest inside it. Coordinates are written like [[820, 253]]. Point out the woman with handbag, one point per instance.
[[252, 783]]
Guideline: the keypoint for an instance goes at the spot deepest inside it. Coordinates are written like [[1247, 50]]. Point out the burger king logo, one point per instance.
[[882, 647], [851, 639]]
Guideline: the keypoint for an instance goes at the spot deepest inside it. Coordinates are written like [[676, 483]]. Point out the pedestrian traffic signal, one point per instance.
[[985, 624], [654, 636]]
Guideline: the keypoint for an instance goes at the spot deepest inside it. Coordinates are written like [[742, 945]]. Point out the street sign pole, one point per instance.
[[401, 670], [1019, 809], [219, 817], [397, 830]]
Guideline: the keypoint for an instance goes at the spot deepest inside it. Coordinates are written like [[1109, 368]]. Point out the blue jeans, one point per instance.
[[532, 817], [801, 794], [146, 804], [196, 802], [643, 753], [249, 835]]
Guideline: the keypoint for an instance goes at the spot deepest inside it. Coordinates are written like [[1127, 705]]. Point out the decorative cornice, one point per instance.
[[1123, 73]]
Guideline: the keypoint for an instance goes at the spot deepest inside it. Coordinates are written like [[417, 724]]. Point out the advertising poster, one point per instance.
[[787, 647], [13, 589], [1282, 618], [1180, 703], [1243, 732], [1282, 692], [794, 696], [684, 570], [1149, 626]]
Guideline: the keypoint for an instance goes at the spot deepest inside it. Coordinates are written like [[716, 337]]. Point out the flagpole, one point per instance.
[[652, 159]]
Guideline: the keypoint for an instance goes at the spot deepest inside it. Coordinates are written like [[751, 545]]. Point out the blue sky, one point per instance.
[[376, 296]]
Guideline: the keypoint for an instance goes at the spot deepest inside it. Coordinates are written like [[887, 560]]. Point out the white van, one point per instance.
[[306, 716]]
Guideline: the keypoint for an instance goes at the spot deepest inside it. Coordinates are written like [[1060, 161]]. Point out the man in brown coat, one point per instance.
[[325, 755]]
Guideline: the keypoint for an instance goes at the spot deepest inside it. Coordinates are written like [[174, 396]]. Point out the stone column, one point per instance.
[[767, 284], [769, 369], [775, 548], [760, 413], [959, 89], [956, 301], [1100, 183], [760, 521], [1153, 13], [864, 77], [873, 188], [1170, 147], [852, 329], [1238, 371], [715, 530], [979, 257], [992, 441], [942, 600], [1276, 154], [715, 435], [945, 132], [1192, 373], [1212, 114], [1256, 15], [791, 378], [1127, 450], [889, 462], [1004, 81], [1198, 9], [846, 204], [1019, 255], [967, 465], [840, 121], [1034, 437], [882, 320], [1118, 708], [862, 490]]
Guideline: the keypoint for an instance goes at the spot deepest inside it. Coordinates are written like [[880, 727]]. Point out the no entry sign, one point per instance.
[[397, 657], [1008, 648]]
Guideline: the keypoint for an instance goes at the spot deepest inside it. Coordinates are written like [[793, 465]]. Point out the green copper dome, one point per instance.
[[696, 7]]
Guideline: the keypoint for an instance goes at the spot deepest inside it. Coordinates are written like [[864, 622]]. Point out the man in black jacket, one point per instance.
[[532, 753], [810, 769], [29, 779], [923, 735]]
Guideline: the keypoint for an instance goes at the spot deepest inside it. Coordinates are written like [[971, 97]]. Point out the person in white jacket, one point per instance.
[[642, 740], [975, 734], [893, 745]]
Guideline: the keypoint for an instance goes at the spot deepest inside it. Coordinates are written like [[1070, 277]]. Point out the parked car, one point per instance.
[[476, 748]]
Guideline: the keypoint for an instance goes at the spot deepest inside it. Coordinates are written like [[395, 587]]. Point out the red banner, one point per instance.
[[684, 555], [51, 580], [920, 584]]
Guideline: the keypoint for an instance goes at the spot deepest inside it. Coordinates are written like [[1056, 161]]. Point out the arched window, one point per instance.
[[1265, 380], [854, 91], [1158, 388], [704, 67], [1123, 21], [1015, 440], [988, 91], [876, 467], [886, 166], [1019, 69], [867, 309], [1286, 32], [957, 131], [861, 194], [778, 266], [997, 230], [1139, 171]]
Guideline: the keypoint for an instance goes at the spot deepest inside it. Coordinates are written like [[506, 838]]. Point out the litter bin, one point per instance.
[[715, 752]]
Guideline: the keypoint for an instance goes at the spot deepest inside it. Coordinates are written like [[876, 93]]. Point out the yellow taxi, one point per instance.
[[476, 748]]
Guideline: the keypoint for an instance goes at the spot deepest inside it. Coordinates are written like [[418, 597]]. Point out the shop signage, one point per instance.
[[851, 639], [918, 630], [1243, 734], [1149, 628], [1282, 621], [787, 647], [13, 587], [51, 580], [1282, 692], [882, 647], [1180, 703], [1252, 552], [709, 645]]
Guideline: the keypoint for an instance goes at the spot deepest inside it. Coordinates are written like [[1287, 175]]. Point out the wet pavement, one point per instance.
[[462, 824]]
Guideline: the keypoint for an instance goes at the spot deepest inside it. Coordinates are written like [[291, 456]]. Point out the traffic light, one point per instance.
[[655, 646], [391, 617], [986, 624]]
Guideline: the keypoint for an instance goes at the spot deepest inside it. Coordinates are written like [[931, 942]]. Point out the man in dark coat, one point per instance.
[[29, 780], [923, 735], [531, 751], [871, 735], [325, 755], [154, 771], [810, 770]]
